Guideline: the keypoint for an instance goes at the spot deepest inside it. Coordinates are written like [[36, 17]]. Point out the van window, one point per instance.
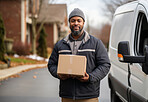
[[121, 28], [141, 34]]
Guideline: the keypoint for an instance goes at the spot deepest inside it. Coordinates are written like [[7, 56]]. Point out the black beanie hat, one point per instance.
[[77, 12]]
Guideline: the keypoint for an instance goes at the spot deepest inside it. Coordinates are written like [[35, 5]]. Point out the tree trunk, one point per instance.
[[34, 36], [34, 45]]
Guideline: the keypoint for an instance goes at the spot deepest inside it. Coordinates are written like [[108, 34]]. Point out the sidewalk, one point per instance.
[[5, 73]]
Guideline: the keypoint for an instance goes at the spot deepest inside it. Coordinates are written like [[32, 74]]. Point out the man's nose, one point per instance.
[[76, 22]]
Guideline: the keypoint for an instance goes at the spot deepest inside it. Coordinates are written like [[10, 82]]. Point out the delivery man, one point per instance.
[[79, 42]]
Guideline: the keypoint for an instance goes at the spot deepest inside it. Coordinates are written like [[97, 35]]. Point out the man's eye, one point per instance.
[[72, 20], [79, 20]]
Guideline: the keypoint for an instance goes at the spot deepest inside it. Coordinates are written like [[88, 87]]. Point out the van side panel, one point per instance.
[[121, 31], [122, 90]]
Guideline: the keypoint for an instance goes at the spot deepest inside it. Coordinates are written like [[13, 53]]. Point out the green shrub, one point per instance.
[[42, 45], [2, 35]]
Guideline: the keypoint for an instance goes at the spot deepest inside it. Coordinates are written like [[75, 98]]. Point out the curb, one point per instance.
[[4, 74]]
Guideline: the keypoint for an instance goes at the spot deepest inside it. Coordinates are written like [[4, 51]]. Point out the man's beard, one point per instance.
[[76, 33]]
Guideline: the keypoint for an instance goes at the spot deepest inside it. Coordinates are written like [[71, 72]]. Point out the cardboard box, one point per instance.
[[72, 65]]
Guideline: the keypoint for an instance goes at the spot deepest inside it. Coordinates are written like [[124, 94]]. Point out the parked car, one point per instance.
[[128, 52]]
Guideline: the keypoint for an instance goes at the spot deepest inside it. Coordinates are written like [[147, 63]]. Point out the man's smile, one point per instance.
[[76, 28]]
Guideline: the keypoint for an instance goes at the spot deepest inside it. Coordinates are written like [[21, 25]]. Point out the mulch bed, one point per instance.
[[2, 62]]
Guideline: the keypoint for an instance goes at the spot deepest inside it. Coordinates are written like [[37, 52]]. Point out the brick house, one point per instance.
[[55, 18], [15, 14]]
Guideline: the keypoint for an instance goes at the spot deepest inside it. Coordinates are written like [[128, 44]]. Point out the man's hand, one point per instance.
[[64, 76], [84, 78]]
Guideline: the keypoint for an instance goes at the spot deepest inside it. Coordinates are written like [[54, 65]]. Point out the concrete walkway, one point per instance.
[[5, 73]]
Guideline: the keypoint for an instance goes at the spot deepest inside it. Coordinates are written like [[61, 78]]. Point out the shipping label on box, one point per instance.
[[72, 65]]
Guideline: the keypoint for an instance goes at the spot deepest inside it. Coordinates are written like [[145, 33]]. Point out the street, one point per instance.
[[38, 86]]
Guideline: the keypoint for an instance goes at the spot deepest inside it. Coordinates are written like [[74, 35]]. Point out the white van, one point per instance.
[[128, 52]]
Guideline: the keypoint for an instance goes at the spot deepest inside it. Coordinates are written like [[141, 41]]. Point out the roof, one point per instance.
[[53, 13]]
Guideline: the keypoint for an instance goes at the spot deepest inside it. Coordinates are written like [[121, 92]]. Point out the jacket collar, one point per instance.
[[86, 38]]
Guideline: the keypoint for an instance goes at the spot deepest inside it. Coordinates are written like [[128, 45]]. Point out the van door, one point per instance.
[[138, 79]]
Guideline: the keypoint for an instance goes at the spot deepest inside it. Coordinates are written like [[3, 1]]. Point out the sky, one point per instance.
[[92, 9]]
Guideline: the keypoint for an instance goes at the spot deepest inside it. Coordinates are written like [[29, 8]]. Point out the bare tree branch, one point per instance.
[[41, 26], [40, 5], [111, 6], [52, 1]]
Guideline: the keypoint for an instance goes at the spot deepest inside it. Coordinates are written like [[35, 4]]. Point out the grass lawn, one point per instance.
[[22, 60]]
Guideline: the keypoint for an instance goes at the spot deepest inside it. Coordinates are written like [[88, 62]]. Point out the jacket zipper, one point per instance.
[[73, 79], [74, 97]]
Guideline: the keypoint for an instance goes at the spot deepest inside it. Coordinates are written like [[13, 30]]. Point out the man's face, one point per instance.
[[76, 25]]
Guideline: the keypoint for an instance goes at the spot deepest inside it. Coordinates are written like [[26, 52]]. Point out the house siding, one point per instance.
[[16, 22], [49, 31], [11, 14]]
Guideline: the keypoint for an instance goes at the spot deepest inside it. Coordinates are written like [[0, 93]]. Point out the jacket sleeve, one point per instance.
[[102, 63], [53, 62]]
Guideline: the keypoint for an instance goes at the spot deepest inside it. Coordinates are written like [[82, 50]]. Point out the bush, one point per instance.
[[42, 47], [10, 53], [21, 48], [2, 35]]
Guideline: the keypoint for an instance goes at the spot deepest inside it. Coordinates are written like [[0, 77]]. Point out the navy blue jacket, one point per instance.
[[98, 66]]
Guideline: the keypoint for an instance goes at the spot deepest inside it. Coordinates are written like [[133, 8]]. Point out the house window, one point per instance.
[[141, 34]]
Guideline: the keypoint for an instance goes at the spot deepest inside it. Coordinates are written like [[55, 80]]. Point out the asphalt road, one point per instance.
[[38, 86]]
